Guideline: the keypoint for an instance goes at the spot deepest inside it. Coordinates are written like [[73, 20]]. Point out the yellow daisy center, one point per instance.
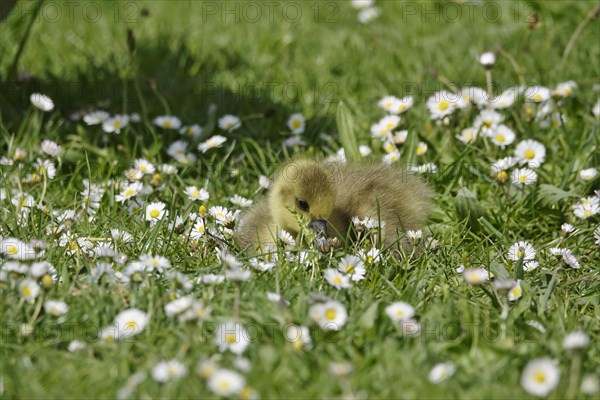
[[487, 124], [350, 268], [166, 124], [401, 107], [117, 124], [523, 178], [72, 246], [26, 291], [537, 97], [296, 124], [539, 377], [443, 105], [12, 249], [502, 176], [224, 385], [516, 292], [529, 154], [500, 138], [337, 279], [400, 313], [200, 228], [154, 213], [143, 168], [230, 337], [130, 325], [129, 192], [330, 314]]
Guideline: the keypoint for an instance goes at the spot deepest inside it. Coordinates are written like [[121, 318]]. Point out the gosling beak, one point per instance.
[[319, 227]]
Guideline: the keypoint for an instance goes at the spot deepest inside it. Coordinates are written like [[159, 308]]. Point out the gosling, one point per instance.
[[329, 195]]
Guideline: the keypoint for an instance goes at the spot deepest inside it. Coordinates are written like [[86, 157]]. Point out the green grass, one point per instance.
[[199, 66]]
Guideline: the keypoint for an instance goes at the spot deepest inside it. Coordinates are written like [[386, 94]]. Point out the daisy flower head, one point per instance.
[[468, 135], [371, 256], [165, 371], [195, 194], [505, 99], [29, 289], [588, 174], [400, 137], [214, 142], [475, 276], [389, 147], [515, 292], [442, 104], [442, 371], [226, 383], [115, 124], [404, 104], [586, 207], [487, 121], [167, 122], [360, 4], [229, 123], [389, 104], [596, 109], [564, 89], [400, 311], [577, 340], [286, 238], [540, 377], [155, 263], [502, 136], [537, 94], [129, 191], [50, 148], [421, 148], [570, 259], [567, 228], [523, 176], [520, 250], [337, 279], [487, 60], [193, 131], [296, 123], [364, 150], [298, 336], [55, 307], [590, 385], [330, 315], [155, 212], [391, 158], [178, 306], [222, 215], [240, 201], [531, 152], [130, 322], [368, 14], [95, 117], [232, 336], [353, 266], [473, 95], [18, 250], [41, 102], [46, 168]]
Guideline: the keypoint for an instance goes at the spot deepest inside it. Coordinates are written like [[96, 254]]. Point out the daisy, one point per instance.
[[240, 201], [232, 336], [229, 123], [296, 123], [238, 275], [504, 164], [370, 256], [42, 102], [590, 385], [588, 174], [473, 95], [530, 265], [515, 292], [17, 249], [115, 124], [129, 191], [155, 263], [226, 383], [421, 148], [576, 340], [95, 117], [502, 136], [400, 137], [330, 315], [391, 157], [46, 168], [389, 104], [167, 122], [414, 235], [263, 182], [165, 371], [55, 307], [540, 377], [193, 131], [167, 169], [364, 150], [337, 279], [214, 142], [567, 228], [368, 14], [196, 312], [442, 371], [505, 100], [531, 152], [298, 336], [50, 148], [360, 4], [119, 235], [520, 250], [130, 322], [403, 104], [144, 166], [177, 149], [155, 211], [537, 94], [586, 207], [75, 345], [286, 238], [523, 176], [570, 259], [400, 311], [195, 194], [353, 266], [487, 121], [222, 215], [178, 306], [389, 147], [198, 230], [341, 368], [596, 109], [29, 289], [468, 136], [211, 279], [487, 60], [564, 89], [475, 276], [441, 104]]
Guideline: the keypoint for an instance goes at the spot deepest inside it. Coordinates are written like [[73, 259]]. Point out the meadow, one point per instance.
[[134, 134]]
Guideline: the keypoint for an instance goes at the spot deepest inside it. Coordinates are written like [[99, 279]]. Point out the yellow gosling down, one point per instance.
[[329, 195]]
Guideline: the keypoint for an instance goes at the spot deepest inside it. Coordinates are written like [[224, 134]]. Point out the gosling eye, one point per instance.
[[303, 204]]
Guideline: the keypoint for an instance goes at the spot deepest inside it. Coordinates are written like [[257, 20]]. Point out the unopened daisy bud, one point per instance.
[[155, 180], [487, 60], [47, 282], [566, 228], [502, 177], [576, 340]]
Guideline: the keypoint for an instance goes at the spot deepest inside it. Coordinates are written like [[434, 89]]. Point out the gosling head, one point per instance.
[[305, 186]]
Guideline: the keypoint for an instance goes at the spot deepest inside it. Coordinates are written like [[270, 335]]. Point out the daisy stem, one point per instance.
[[44, 187], [550, 288], [36, 313], [490, 87], [236, 304], [574, 375]]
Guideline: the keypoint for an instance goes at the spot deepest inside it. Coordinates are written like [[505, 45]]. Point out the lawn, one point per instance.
[[132, 133]]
